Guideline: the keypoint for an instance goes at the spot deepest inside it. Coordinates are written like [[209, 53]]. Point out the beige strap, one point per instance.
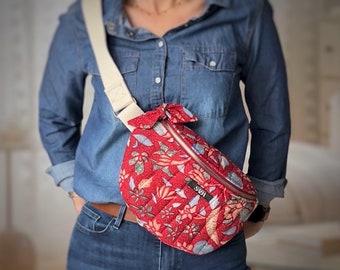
[[123, 104]]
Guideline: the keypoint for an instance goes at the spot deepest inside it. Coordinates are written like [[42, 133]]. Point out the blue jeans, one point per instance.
[[101, 242]]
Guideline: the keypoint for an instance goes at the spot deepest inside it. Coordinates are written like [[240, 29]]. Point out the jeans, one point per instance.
[[100, 241]]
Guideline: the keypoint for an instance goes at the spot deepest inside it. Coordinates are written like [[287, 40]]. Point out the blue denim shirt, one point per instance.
[[199, 64]]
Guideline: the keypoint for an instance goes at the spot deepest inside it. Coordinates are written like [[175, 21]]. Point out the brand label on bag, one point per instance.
[[199, 190]]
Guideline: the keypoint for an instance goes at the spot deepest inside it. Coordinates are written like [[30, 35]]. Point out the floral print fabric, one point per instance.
[[180, 188]]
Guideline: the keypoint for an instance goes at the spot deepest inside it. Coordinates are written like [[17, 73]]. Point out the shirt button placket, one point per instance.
[[160, 44], [158, 72], [158, 80]]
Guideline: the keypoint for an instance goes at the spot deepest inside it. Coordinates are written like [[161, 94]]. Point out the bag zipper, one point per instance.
[[192, 154]]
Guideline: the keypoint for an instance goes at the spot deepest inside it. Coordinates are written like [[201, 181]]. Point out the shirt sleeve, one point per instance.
[[61, 99], [62, 175], [266, 95]]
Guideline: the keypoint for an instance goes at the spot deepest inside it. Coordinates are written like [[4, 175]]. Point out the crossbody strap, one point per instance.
[[123, 104]]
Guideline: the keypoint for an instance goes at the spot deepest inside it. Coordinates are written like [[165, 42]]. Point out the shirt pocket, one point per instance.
[[208, 80], [127, 64]]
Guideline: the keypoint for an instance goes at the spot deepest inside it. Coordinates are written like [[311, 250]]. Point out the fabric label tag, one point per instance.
[[199, 190]]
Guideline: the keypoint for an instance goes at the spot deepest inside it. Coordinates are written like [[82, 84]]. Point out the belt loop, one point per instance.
[[120, 216]]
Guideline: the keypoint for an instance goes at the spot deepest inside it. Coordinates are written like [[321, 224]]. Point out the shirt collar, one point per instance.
[[222, 3]]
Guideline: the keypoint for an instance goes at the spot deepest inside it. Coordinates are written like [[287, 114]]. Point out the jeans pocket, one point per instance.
[[92, 221]]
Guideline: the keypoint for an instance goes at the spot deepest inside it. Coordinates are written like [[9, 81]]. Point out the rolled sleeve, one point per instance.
[[267, 98], [268, 190], [62, 175]]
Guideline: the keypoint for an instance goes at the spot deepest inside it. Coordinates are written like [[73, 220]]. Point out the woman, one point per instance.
[[190, 52]]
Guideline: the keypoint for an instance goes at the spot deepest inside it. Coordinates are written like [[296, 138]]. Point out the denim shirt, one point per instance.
[[199, 64]]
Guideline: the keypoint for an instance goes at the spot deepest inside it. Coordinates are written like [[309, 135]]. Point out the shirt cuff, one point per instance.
[[268, 190], [62, 175]]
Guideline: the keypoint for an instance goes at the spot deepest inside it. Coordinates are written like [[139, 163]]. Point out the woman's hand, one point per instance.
[[252, 228], [78, 201]]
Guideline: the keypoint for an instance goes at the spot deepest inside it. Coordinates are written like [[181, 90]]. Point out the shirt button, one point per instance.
[[111, 26], [158, 80], [160, 44], [130, 34], [212, 63]]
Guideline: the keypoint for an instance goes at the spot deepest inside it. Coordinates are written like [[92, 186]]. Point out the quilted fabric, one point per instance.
[[181, 189]]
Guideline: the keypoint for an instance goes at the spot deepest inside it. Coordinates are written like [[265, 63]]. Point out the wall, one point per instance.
[[311, 45], [299, 37], [40, 212], [43, 212]]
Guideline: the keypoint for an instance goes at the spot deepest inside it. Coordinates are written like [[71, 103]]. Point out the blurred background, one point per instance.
[[36, 218]]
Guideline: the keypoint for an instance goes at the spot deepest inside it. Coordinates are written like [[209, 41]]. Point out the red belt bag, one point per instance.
[[181, 189]]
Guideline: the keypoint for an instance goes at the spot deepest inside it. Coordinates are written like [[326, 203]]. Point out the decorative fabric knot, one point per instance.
[[175, 113]]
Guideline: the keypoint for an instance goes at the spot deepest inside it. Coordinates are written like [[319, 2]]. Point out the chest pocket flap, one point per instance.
[[126, 63], [212, 60]]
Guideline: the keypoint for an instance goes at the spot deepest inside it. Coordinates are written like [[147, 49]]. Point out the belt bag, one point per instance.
[[181, 189]]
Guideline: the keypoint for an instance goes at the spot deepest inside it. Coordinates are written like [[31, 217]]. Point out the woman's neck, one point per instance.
[[154, 7], [162, 20]]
